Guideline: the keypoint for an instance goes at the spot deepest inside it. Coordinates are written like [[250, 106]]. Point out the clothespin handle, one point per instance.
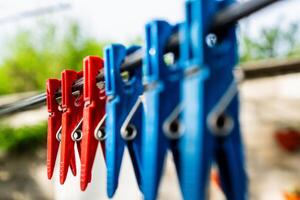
[[53, 85], [114, 83], [92, 66]]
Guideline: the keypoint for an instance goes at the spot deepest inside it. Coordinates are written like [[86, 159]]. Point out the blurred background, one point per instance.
[[38, 39]]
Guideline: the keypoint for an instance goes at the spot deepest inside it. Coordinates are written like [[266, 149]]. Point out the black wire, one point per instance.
[[224, 18], [238, 11]]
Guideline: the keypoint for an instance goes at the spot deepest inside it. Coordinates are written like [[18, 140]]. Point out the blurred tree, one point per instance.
[[272, 42], [37, 55]]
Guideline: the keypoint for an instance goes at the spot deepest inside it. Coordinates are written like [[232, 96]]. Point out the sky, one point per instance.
[[121, 21]]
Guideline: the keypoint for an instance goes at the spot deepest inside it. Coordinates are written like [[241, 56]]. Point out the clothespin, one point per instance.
[[54, 126], [210, 114], [162, 104], [124, 114], [72, 107], [93, 117]]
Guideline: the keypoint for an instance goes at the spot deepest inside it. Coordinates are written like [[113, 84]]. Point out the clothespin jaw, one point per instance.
[[162, 102], [54, 124], [93, 113], [72, 108], [210, 113], [124, 114]]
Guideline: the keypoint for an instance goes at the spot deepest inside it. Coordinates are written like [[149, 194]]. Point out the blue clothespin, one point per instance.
[[162, 105], [124, 114], [210, 114]]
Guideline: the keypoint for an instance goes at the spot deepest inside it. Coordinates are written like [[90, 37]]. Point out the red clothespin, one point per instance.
[[54, 126], [93, 118], [72, 107]]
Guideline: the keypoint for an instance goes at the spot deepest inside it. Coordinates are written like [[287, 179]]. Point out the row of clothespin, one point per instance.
[[187, 105]]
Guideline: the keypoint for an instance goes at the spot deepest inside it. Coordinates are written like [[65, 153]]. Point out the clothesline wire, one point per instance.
[[224, 18]]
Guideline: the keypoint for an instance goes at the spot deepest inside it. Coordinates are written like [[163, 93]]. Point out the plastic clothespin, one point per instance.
[[93, 117], [72, 107], [163, 105], [124, 114], [210, 114], [54, 126]]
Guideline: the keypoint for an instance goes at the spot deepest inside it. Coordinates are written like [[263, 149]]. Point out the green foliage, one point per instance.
[[22, 139], [37, 55], [272, 42]]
